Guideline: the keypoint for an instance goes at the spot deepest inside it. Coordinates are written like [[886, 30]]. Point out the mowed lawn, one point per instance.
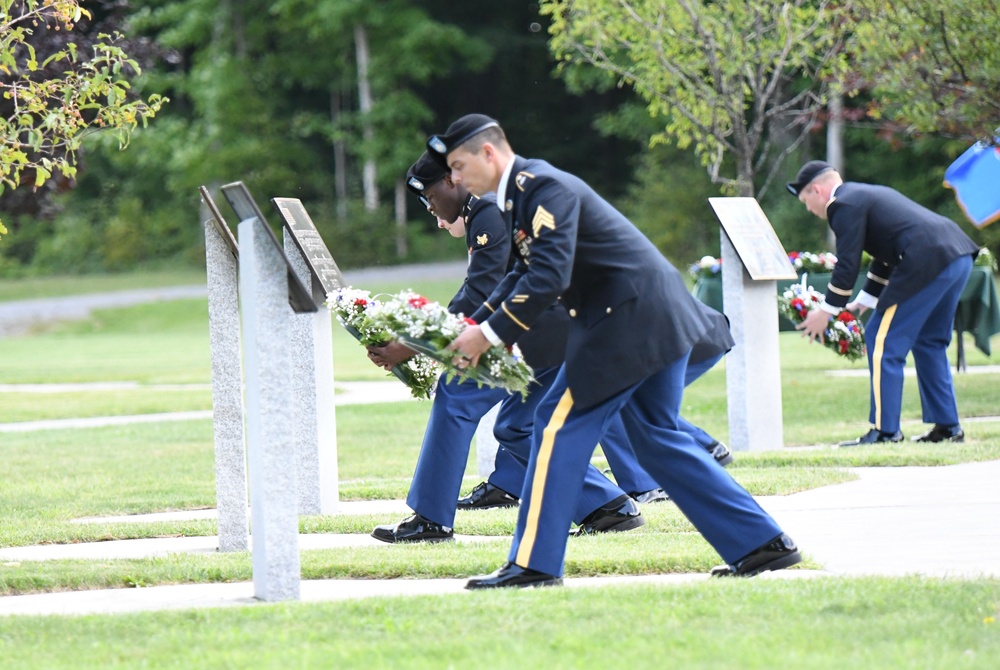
[[52, 477]]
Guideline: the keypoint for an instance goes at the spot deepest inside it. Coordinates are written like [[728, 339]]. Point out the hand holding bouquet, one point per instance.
[[354, 310], [844, 333]]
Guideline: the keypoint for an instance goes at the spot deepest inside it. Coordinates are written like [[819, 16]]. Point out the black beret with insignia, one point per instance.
[[806, 174], [459, 133], [423, 174]]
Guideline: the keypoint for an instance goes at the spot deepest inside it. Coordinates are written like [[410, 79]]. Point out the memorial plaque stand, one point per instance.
[[312, 341], [752, 260], [264, 296], [315, 417], [221, 254], [486, 444]]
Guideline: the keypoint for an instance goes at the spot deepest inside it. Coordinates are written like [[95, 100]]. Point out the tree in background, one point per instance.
[[740, 81], [933, 67], [56, 92]]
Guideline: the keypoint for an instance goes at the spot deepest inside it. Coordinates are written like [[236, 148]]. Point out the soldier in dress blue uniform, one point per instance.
[[634, 328], [920, 264], [458, 407]]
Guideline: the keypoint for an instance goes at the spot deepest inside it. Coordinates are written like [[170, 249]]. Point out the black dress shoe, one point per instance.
[[720, 453], [485, 496], [414, 529], [874, 436], [941, 433], [654, 495], [620, 514], [513, 576], [777, 554]]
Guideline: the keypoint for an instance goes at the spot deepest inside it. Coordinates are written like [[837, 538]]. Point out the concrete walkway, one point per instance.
[[936, 522]]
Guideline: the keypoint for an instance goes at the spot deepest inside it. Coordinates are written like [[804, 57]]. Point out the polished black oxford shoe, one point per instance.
[[720, 453], [618, 515], [652, 496], [510, 575], [874, 436], [777, 554], [414, 529], [941, 433], [486, 496]]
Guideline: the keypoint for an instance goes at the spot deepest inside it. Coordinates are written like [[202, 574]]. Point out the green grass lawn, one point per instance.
[[820, 624], [52, 477]]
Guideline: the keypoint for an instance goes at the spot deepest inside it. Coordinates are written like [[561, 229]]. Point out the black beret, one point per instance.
[[806, 174], [424, 173], [459, 133]]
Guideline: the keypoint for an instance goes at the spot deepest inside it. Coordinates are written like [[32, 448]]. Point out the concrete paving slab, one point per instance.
[[937, 521], [187, 596]]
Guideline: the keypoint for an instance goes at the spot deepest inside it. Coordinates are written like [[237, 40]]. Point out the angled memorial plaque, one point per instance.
[[299, 297], [220, 223], [753, 237], [319, 259]]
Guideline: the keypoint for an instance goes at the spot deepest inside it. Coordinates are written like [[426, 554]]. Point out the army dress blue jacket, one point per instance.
[[487, 236], [908, 243], [630, 311], [488, 242]]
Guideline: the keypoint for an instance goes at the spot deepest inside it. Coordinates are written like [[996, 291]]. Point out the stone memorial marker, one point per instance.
[[311, 341], [221, 256], [752, 260], [268, 286]]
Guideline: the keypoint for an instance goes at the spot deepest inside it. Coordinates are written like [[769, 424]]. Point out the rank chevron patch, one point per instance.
[[543, 219]]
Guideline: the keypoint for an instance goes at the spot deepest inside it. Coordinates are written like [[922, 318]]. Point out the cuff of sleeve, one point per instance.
[[490, 335], [867, 299], [830, 309]]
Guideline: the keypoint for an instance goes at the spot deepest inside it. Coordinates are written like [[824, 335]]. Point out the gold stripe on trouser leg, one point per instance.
[[538, 481], [883, 330]]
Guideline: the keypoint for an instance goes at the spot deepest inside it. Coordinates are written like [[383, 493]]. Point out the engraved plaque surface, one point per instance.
[[318, 257], [753, 237], [299, 297]]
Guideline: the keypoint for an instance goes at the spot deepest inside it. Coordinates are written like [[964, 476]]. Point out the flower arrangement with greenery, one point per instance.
[[844, 334], [354, 309], [428, 328], [809, 262]]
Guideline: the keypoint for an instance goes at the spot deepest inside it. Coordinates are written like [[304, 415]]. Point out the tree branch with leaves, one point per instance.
[[742, 79], [934, 67], [48, 108]]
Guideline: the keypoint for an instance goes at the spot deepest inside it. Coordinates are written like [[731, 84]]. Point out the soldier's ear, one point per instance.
[[489, 152]]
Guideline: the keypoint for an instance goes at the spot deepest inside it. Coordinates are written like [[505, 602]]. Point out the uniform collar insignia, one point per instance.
[[522, 178], [509, 205]]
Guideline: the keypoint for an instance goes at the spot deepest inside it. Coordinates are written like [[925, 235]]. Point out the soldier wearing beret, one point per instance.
[[457, 407], [920, 264], [634, 328]]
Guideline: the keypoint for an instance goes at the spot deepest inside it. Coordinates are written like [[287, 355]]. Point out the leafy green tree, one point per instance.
[[934, 67], [49, 107], [740, 81]]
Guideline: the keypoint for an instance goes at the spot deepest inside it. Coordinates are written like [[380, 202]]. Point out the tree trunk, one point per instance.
[[835, 145], [401, 245], [365, 103], [339, 159]]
